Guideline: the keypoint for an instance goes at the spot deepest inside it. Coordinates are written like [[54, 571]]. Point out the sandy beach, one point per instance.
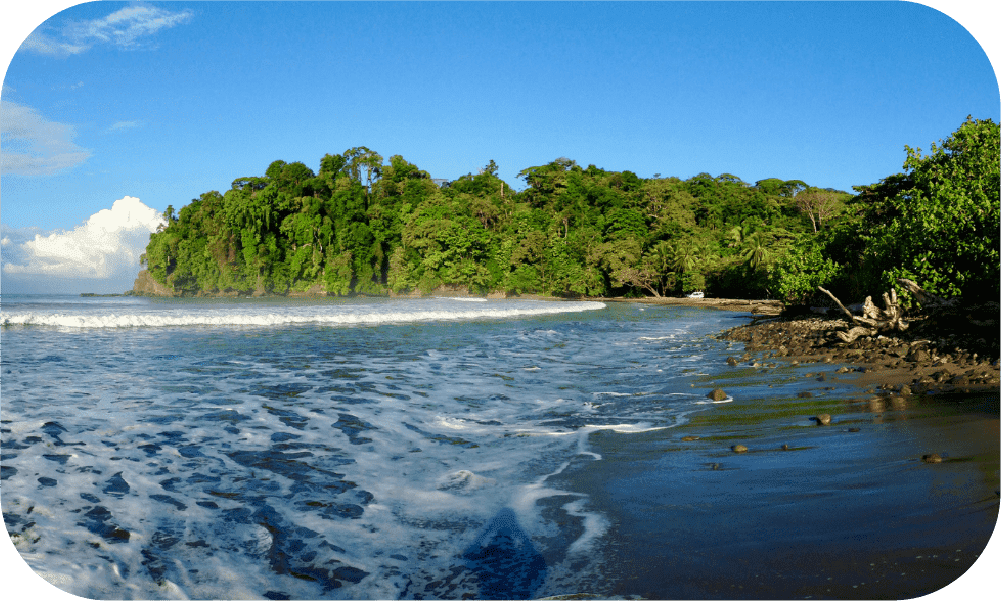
[[894, 497]]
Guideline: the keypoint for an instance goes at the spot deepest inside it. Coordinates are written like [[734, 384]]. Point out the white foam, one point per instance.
[[466, 299], [443, 426], [728, 399], [221, 315]]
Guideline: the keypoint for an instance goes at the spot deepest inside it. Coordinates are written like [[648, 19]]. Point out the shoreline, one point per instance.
[[921, 360], [895, 497]]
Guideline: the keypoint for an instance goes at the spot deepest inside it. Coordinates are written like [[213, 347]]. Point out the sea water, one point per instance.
[[327, 448]]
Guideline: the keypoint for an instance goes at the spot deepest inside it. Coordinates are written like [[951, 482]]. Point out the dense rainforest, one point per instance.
[[363, 225]]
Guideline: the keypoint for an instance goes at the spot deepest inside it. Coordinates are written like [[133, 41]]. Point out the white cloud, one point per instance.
[[44, 44], [123, 28], [106, 247], [33, 145], [121, 125]]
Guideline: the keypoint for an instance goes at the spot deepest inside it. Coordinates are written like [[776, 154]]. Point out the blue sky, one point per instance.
[[162, 101]]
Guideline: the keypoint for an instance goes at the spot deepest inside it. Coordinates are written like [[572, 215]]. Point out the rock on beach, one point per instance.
[[717, 395]]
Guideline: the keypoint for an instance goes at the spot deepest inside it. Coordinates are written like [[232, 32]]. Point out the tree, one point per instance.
[[818, 205], [937, 222], [795, 276], [360, 162]]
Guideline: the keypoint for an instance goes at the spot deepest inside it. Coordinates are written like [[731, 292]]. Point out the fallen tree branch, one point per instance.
[[926, 299], [851, 317]]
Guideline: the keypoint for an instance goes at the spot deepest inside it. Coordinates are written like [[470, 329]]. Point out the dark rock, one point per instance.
[[731, 361], [717, 395], [918, 356], [823, 419], [933, 458], [960, 381], [806, 394], [854, 430]]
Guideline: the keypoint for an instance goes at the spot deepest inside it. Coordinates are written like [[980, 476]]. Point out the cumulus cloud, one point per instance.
[[107, 247], [33, 145], [124, 28]]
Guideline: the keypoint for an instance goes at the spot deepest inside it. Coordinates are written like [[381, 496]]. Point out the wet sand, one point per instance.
[[860, 508]]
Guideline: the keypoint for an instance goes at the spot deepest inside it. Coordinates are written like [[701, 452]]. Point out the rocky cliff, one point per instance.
[[145, 285]]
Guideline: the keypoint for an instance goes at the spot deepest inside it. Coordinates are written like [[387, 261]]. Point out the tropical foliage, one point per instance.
[[364, 225]]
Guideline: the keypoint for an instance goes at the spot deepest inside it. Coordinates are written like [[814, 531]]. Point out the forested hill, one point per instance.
[[369, 226]]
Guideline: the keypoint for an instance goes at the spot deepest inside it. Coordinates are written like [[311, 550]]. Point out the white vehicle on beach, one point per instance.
[[696, 294]]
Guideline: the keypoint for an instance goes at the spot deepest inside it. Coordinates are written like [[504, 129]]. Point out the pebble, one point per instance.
[[823, 419]]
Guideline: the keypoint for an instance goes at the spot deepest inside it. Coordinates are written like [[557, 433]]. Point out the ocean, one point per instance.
[[446, 448], [281, 448]]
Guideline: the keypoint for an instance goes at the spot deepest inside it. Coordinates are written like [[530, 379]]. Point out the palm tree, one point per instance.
[[756, 249]]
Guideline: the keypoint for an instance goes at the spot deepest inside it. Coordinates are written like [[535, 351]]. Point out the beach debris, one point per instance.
[[933, 458], [823, 419], [717, 395], [873, 319], [738, 448]]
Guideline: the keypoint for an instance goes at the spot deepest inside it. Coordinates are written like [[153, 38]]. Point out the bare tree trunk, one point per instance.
[[927, 299]]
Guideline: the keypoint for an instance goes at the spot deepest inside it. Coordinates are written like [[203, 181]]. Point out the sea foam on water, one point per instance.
[[379, 449]]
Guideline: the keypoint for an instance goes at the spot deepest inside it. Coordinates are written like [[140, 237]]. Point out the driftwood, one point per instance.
[[927, 300], [873, 319]]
